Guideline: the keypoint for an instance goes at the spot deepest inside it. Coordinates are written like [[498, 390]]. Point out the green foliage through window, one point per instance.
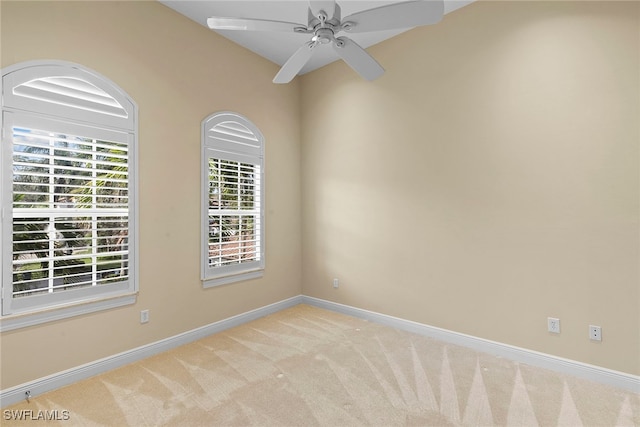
[[234, 196], [70, 212]]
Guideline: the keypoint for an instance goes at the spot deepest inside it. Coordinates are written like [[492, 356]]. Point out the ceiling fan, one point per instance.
[[325, 22]]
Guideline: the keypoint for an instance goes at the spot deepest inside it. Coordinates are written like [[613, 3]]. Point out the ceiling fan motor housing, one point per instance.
[[323, 36]]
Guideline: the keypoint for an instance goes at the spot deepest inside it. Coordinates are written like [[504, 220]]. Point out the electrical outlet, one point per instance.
[[553, 325], [595, 333], [336, 283], [144, 316]]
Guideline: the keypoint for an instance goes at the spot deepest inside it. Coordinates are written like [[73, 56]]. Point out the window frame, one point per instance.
[[53, 113], [234, 151]]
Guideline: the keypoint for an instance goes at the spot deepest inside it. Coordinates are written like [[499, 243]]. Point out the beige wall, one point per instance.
[[488, 180], [178, 72]]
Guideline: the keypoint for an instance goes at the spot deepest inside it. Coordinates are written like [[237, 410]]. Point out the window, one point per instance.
[[68, 197], [232, 202]]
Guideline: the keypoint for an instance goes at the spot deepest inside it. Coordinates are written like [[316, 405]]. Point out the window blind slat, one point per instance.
[[68, 100], [74, 88]]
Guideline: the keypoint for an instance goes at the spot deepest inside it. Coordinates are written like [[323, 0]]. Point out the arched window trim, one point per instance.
[[66, 98], [230, 137]]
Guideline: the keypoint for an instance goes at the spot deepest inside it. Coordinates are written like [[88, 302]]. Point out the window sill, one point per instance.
[[12, 322], [225, 280]]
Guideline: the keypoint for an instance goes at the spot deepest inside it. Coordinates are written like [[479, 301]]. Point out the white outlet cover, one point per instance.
[[553, 325]]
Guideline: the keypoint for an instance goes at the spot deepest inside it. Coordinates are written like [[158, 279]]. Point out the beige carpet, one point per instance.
[[306, 366]]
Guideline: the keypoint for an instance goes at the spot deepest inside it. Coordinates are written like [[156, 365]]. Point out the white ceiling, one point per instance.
[[277, 47]]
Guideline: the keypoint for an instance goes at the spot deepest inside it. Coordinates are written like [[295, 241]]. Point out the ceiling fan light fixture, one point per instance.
[[323, 36]]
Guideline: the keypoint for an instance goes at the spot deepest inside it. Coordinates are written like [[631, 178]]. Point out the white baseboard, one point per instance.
[[70, 376], [598, 374], [582, 370]]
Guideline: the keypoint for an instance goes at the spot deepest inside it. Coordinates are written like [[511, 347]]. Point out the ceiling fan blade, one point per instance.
[[221, 23], [358, 58], [328, 6], [295, 63], [395, 16]]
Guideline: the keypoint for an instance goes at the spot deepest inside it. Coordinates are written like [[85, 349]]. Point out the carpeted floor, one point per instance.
[[306, 366]]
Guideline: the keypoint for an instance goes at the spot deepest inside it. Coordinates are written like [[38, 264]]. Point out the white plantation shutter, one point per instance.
[[60, 89], [232, 208], [68, 232]]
